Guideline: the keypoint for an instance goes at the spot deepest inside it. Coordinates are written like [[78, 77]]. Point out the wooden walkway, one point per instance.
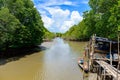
[[109, 69]]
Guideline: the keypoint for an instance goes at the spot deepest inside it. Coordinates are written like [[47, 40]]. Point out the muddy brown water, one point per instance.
[[58, 61]]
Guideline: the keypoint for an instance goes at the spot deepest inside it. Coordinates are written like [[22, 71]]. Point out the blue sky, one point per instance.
[[60, 15]]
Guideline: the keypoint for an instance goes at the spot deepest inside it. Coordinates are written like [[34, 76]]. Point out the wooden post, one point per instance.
[[93, 50], [110, 53], [94, 42], [88, 57], [93, 45], [100, 72], [118, 55], [104, 74]]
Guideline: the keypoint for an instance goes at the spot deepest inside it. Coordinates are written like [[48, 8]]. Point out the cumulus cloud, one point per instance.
[[47, 21], [61, 20], [74, 19], [58, 16], [57, 19], [66, 25]]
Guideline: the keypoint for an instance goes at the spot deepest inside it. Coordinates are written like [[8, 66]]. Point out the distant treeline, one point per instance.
[[20, 25], [103, 20]]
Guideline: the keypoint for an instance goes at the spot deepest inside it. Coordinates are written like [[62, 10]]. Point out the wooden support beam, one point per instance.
[[110, 53]]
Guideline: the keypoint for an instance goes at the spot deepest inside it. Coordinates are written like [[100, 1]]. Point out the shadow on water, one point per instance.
[[15, 54]]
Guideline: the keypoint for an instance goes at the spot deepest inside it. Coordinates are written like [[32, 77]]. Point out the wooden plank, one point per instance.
[[101, 59], [109, 69]]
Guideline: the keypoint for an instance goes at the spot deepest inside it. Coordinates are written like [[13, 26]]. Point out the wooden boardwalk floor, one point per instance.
[[109, 69]]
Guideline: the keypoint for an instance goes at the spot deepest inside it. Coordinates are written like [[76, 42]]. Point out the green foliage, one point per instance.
[[58, 34], [76, 32], [103, 19], [103, 26], [8, 25], [20, 24], [48, 35]]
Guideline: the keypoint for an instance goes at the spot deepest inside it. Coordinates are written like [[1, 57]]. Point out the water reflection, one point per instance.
[[59, 47], [58, 62]]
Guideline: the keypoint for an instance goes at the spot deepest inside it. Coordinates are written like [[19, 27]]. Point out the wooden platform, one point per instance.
[[109, 69]]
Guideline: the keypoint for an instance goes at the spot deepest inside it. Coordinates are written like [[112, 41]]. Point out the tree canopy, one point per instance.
[[20, 24], [103, 20]]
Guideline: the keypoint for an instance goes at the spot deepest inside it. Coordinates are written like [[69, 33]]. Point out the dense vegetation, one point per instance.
[[48, 35], [20, 24], [103, 20], [76, 32]]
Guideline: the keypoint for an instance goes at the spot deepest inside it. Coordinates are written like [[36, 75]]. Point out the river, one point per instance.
[[57, 61]]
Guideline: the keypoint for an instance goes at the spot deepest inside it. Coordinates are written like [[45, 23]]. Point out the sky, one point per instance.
[[60, 15]]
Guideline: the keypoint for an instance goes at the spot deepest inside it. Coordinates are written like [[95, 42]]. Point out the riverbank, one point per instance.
[[42, 65], [77, 40], [12, 52]]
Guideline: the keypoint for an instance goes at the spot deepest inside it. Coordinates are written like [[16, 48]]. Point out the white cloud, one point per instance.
[[66, 25], [68, 3], [47, 21], [47, 3], [58, 13], [56, 19], [85, 1], [58, 16], [59, 2], [74, 19], [75, 16], [60, 20]]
